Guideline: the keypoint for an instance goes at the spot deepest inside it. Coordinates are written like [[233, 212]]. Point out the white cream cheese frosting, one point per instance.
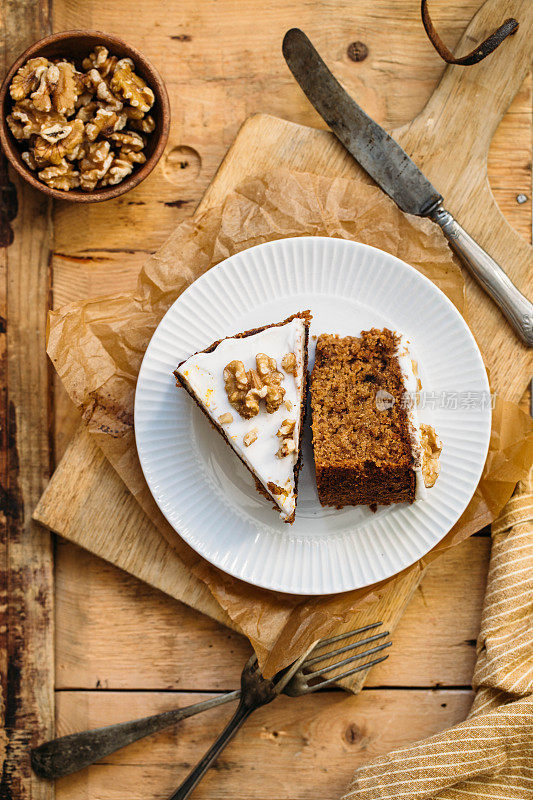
[[203, 374], [412, 386]]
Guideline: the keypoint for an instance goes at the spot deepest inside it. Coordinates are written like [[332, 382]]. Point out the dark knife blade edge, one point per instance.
[[375, 150]]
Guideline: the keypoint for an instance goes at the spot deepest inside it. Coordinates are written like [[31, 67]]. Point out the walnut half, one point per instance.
[[95, 164], [63, 176], [57, 141], [131, 87], [246, 389]]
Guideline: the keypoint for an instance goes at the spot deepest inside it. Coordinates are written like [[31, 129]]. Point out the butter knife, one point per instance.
[[392, 169]]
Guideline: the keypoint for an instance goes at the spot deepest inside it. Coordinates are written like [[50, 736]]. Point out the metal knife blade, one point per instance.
[[396, 174], [373, 148]]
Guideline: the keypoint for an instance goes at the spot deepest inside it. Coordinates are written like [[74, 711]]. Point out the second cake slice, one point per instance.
[[369, 447]]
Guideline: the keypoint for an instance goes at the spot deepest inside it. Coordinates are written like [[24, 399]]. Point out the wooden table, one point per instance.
[[121, 649]]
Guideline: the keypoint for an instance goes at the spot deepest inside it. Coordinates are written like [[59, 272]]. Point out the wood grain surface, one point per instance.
[[434, 643], [26, 580], [293, 750], [222, 62], [265, 142]]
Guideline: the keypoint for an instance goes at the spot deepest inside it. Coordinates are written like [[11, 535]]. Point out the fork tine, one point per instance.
[[347, 647], [335, 678], [345, 661], [340, 636]]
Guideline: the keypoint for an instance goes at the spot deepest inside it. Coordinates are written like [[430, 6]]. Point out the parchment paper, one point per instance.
[[97, 347]]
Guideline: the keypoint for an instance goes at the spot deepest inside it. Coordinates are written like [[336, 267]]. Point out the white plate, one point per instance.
[[209, 497]]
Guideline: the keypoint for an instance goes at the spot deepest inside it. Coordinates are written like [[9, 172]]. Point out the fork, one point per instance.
[[68, 754], [296, 680]]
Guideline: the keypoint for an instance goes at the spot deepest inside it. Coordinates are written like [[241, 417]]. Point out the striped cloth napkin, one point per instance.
[[490, 754]]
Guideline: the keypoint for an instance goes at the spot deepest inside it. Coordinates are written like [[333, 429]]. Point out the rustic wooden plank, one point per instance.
[[280, 143], [294, 749], [83, 516], [220, 66], [150, 641], [77, 277], [26, 583], [509, 162]]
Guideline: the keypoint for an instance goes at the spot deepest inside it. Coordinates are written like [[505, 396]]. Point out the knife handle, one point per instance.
[[514, 306]]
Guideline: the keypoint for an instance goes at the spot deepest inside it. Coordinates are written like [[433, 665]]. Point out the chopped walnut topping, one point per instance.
[[251, 401], [288, 405], [286, 427], [226, 419], [250, 437], [236, 369], [254, 380], [288, 362], [265, 364], [274, 398], [431, 450], [286, 447], [245, 389], [131, 87], [52, 100], [236, 383], [267, 369], [285, 432]]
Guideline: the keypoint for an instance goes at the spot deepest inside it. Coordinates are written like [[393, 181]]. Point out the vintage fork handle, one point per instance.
[[242, 713], [515, 307], [71, 753]]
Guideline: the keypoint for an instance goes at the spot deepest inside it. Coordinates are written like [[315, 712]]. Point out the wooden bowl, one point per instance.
[[75, 46]]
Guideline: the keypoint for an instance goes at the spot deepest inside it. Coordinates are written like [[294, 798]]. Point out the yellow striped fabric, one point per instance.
[[490, 754]]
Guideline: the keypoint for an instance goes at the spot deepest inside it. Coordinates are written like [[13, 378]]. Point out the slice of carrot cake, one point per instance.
[[369, 447], [252, 387]]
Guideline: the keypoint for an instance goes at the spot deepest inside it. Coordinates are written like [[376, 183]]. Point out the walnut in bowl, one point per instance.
[[85, 116]]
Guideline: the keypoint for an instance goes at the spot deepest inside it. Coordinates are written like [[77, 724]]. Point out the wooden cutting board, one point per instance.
[[87, 503]]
